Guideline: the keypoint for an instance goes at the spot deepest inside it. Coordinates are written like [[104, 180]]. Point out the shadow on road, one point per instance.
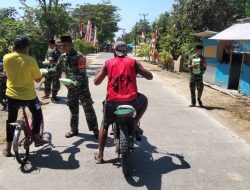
[[212, 108], [147, 171], [48, 157], [91, 138]]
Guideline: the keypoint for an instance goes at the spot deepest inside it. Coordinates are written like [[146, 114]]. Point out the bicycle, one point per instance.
[[23, 136], [123, 130]]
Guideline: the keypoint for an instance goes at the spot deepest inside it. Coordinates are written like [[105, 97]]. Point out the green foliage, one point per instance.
[[186, 50], [8, 30], [188, 17], [104, 16], [141, 26], [38, 48], [51, 16], [142, 50], [212, 14], [247, 9], [84, 47], [166, 60], [162, 23], [11, 27], [7, 12]]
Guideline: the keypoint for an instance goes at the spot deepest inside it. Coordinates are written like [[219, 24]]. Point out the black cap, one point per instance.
[[199, 46], [21, 42], [64, 39], [120, 49], [52, 41]]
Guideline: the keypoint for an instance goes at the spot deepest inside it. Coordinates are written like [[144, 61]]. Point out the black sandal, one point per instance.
[[71, 134]]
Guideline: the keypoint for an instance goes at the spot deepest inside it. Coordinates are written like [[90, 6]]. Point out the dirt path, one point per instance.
[[230, 111]]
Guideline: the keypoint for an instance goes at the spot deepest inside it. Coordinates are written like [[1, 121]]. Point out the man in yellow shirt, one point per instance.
[[21, 70]]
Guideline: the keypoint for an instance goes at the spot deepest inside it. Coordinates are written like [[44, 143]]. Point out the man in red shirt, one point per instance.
[[122, 89]]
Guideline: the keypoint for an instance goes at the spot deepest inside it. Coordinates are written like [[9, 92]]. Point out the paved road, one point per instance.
[[183, 149]]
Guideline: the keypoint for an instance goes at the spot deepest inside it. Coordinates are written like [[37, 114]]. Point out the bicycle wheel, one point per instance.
[[41, 127], [124, 151], [20, 144]]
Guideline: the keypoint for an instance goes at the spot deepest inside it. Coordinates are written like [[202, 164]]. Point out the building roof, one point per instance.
[[205, 34], [235, 32]]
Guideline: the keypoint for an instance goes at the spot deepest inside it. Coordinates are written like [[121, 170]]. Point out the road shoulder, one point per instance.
[[228, 107]]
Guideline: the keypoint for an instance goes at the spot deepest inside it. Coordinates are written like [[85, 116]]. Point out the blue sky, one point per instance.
[[130, 9]]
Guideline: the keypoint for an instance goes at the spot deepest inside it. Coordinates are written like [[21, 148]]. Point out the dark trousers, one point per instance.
[[54, 81], [13, 107], [81, 93], [140, 104], [196, 81]]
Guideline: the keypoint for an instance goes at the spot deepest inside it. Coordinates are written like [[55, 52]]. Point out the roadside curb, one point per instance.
[[233, 93]]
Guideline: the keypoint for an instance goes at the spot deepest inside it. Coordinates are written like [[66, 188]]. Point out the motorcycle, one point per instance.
[[124, 134]]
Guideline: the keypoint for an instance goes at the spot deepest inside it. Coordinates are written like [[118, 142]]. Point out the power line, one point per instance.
[[144, 15]]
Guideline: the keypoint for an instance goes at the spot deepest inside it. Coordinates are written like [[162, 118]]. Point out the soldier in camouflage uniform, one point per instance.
[[52, 56], [3, 99], [197, 68], [73, 63]]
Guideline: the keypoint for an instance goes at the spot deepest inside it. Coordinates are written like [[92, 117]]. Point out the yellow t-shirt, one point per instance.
[[21, 70]]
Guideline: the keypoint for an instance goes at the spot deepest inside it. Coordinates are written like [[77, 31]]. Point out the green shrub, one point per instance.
[[142, 50], [165, 60], [84, 47]]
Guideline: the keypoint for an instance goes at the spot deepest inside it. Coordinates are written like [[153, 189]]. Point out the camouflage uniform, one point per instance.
[[54, 80], [3, 99], [196, 77], [74, 67]]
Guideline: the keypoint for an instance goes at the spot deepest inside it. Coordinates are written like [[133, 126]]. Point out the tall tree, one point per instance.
[[142, 26], [211, 14], [104, 16], [51, 15]]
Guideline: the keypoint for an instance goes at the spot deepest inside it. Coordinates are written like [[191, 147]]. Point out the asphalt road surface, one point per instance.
[[183, 148]]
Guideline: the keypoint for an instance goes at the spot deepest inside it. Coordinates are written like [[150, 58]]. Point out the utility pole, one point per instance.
[[124, 35], [144, 15], [144, 20]]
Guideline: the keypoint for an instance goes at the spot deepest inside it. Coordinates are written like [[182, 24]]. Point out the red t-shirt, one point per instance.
[[121, 79]]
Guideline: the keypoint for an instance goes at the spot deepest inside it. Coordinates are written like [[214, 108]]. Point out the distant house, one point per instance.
[[210, 54], [228, 58]]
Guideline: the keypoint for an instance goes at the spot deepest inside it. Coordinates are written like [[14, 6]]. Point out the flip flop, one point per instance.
[[98, 160], [71, 134]]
